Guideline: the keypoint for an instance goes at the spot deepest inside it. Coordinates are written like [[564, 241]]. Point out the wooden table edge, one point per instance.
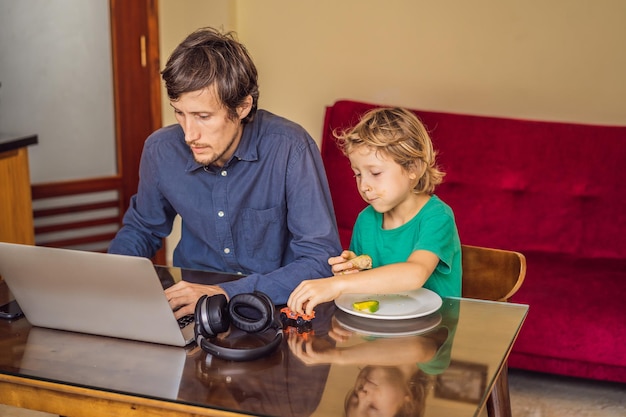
[[68, 400]]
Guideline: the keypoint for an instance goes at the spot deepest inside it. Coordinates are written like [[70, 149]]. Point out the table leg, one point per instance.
[[499, 401]]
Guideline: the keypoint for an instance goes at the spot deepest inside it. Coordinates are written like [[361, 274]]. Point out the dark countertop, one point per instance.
[[10, 142]]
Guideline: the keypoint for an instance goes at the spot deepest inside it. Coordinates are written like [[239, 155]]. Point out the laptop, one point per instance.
[[88, 292]]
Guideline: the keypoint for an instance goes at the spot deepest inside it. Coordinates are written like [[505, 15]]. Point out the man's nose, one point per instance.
[[192, 133]]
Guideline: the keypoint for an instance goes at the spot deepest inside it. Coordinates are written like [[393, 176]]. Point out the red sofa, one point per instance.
[[555, 192]]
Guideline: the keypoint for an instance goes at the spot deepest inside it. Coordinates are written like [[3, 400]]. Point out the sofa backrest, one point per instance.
[[513, 184]]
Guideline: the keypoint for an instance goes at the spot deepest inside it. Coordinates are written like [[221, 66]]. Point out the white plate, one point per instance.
[[393, 328], [404, 305]]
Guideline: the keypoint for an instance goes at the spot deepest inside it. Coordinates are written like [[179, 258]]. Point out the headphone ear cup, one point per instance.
[[211, 316], [217, 310], [256, 301], [200, 319], [265, 297]]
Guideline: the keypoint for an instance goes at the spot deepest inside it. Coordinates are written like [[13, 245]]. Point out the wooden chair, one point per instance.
[[495, 275]]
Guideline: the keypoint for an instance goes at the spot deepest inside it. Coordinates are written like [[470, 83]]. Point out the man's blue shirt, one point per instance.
[[267, 213]]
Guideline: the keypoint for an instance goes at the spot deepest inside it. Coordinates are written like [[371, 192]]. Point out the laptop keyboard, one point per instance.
[[185, 320]]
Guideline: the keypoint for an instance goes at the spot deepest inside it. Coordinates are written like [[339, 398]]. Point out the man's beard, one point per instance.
[[219, 156]]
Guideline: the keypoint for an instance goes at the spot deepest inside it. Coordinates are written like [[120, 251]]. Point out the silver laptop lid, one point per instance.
[[104, 294]]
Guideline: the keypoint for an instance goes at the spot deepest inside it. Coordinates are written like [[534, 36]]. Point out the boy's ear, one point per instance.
[[244, 109], [417, 170]]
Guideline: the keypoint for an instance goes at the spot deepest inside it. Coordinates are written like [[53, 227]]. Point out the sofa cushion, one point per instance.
[[576, 324]]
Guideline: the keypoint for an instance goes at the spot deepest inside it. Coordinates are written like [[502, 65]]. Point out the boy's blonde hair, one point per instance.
[[399, 134]]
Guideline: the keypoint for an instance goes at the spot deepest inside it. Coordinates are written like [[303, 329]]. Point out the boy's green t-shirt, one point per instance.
[[432, 229]]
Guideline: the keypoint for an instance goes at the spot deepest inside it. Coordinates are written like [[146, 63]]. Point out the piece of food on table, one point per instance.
[[368, 306], [362, 262]]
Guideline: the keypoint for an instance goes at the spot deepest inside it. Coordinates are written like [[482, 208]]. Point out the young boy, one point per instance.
[[409, 233]]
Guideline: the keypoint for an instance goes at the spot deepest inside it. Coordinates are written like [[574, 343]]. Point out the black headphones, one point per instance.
[[215, 314]]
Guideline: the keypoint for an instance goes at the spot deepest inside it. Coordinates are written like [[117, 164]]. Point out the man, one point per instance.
[[249, 186]]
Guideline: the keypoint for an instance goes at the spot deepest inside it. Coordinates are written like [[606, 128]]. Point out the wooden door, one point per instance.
[[137, 84], [135, 48]]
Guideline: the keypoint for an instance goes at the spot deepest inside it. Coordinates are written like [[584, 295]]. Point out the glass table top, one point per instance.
[[439, 364]]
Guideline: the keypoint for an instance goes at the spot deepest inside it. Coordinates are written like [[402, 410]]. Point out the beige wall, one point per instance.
[[551, 60], [558, 60]]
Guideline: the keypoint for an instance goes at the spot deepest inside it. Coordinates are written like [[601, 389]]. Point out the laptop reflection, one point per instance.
[[105, 363]]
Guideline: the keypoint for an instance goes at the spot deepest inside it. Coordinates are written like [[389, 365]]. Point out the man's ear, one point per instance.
[[244, 109]]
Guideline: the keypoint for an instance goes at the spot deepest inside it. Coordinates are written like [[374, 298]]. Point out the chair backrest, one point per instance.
[[491, 274]]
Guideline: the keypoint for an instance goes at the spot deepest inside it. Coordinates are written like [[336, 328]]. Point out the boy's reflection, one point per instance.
[[397, 372], [388, 391]]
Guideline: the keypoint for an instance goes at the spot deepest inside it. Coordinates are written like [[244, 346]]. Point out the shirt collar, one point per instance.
[[249, 144]]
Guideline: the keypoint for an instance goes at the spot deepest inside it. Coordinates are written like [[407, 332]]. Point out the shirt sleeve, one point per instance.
[[313, 235], [149, 217], [437, 235]]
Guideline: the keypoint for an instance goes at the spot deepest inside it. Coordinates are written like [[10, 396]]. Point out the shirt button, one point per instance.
[[226, 250], [220, 213], [224, 173]]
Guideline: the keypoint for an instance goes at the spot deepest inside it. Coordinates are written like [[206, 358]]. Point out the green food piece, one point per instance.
[[370, 306]]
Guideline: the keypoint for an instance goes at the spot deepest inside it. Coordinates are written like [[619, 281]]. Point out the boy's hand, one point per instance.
[[348, 263]]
